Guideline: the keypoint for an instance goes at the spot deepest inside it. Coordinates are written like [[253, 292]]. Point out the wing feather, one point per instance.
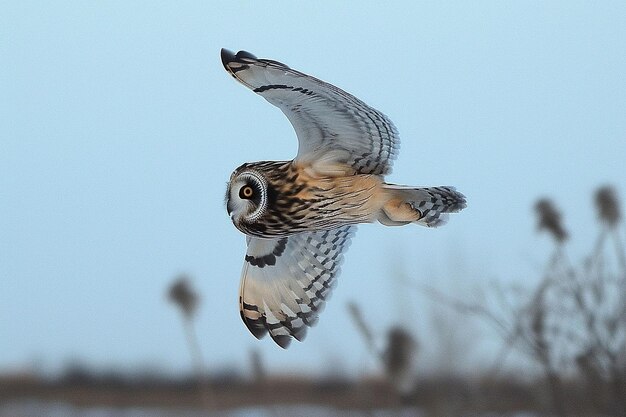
[[332, 126], [286, 281]]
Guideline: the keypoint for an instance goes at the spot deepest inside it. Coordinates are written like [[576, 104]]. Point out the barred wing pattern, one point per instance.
[[286, 281], [332, 126], [433, 203]]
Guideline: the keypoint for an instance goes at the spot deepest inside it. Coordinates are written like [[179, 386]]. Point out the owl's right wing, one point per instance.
[[333, 127], [285, 281]]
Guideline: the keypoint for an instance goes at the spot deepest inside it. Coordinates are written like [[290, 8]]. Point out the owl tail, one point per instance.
[[425, 206]]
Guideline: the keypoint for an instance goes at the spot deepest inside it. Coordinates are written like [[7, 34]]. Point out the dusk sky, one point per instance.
[[119, 129]]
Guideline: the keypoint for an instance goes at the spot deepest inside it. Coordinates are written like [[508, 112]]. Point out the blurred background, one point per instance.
[[119, 267]]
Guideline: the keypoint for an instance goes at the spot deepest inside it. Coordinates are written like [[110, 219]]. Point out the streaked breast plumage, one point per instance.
[[300, 215]]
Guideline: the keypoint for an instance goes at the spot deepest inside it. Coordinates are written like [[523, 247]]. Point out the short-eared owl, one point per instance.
[[299, 215]]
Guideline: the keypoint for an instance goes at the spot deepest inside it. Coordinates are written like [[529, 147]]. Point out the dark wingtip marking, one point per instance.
[[300, 334], [241, 58], [227, 56], [282, 340], [257, 329], [245, 54]]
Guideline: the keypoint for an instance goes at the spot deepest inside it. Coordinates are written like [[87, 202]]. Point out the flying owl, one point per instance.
[[299, 216]]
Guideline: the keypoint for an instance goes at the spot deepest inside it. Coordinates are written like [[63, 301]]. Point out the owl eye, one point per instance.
[[246, 192]]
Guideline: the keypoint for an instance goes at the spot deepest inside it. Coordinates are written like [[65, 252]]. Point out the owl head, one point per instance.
[[246, 196]]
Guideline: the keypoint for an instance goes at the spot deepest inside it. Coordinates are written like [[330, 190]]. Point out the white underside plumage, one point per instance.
[[283, 291]]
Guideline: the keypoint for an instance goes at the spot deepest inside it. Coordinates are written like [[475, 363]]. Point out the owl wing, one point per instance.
[[332, 126], [286, 281]]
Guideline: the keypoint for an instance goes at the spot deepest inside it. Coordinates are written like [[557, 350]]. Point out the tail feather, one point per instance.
[[425, 206]]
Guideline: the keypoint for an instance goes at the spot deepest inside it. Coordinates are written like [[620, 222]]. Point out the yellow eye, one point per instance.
[[246, 192]]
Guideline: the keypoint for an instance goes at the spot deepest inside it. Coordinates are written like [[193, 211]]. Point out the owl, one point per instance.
[[299, 216]]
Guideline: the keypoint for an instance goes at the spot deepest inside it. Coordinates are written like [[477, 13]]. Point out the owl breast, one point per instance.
[[299, 202]]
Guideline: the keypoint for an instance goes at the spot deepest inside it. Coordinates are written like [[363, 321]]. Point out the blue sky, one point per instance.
[[119, 129]]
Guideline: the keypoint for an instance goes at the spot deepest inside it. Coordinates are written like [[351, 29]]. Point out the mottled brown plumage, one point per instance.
[[299, 215], [298, 201]]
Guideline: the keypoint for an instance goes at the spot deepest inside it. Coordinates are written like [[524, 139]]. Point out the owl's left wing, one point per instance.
[[286, 281], [335, 129]]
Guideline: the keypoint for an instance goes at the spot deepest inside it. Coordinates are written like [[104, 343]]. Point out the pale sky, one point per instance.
[[119, 129]]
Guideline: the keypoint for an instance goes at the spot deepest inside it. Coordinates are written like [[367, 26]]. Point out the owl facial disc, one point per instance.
[[247, 197]]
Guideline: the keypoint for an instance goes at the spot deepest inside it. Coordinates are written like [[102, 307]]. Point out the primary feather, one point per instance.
[[286, 281]]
